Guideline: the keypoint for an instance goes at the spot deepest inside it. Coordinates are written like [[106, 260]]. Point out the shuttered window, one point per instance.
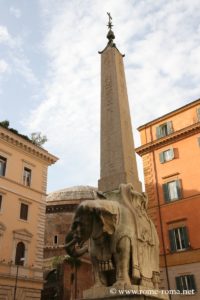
[[198, 140], [185, 283], [3, 161], [178, 239], [198, 114], [172, 190], [166, 155], [164, 129]]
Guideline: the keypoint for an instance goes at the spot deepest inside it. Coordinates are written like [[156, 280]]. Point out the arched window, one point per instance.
[[20, 253]]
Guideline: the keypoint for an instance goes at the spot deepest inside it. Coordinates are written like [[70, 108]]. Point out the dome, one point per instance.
[[81, 192]]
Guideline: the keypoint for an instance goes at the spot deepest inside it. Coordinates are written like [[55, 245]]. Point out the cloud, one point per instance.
[[4, 35], [15, 12], [15, 59], [4, 67], [161, 41]]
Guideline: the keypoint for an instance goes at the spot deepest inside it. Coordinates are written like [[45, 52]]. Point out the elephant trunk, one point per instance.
[[71, 246]]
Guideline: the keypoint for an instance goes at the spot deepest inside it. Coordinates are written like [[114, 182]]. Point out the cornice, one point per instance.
[[170, 114], [173, 137], [26, 146]]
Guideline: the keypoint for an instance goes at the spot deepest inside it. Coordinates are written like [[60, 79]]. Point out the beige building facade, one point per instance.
[[23, 182]]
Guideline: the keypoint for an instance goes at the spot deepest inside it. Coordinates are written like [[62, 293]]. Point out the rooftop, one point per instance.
[[174, 112], [81, 192]]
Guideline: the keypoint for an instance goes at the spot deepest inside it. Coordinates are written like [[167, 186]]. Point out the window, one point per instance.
[[27, 177], [198, 140], [55, 240], [172, 190], [24, 211], [178, 239], [1, 199], [198, 114], [166, 155], [20, 253], [185, 282], [164, 129], [3, 161]]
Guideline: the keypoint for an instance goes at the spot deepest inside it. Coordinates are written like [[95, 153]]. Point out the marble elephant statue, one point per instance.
[[123, 242]]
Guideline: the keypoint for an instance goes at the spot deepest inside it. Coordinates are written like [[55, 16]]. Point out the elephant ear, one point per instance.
[[107, 210], [109, 222]]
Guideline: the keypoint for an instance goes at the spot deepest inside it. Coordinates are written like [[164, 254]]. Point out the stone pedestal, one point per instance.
[[133, 292]]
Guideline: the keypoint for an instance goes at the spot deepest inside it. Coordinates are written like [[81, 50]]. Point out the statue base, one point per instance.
[[134, 292]]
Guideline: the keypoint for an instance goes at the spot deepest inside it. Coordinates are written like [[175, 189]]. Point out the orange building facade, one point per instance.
[[23, 181], [171, 160]]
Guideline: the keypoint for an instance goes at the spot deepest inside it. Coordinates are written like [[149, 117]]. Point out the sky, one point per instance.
[[50, 71]]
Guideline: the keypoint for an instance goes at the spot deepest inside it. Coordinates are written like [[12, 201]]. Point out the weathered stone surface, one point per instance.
[[132, 292], [124, 246], [118, 161]]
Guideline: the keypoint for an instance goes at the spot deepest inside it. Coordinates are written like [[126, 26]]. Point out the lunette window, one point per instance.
[[178, 239], [3, 162]]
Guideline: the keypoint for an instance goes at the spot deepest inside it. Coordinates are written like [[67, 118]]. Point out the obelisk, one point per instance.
[[118, 158]]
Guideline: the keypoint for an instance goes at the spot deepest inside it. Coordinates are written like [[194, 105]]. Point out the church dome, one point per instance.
[[81, 192]]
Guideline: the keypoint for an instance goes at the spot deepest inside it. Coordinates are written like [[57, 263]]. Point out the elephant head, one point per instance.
[[92, 219]]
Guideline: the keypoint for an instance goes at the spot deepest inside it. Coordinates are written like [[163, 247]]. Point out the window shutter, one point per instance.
[[192, 283], [185, 236], [169, 127], [198, 114], [162, 157], [166, 192], [172, 153], [178, 283], [1, 197], [158, 132], [198, 141], [179, 190], [172, 240]]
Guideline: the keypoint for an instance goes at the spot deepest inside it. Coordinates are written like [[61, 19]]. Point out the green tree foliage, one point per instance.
[[38, 139]]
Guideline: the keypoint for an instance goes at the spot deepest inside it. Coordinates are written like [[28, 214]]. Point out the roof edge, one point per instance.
[[182, 108]]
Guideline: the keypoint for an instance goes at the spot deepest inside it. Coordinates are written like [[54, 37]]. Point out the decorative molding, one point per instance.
[[22, 234], [27, 146], [22, 185], [167, 140], [171, 175], [26, 162], [170, 114]]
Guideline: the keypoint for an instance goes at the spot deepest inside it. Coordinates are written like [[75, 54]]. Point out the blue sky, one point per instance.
[[50, 71]]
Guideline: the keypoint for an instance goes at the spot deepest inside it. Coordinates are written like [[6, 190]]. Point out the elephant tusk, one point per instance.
[[71, 243], [74, 251], [80, 252]]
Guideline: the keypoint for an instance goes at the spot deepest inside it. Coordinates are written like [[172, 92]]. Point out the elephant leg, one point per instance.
[[99, 278], [122, 261]]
